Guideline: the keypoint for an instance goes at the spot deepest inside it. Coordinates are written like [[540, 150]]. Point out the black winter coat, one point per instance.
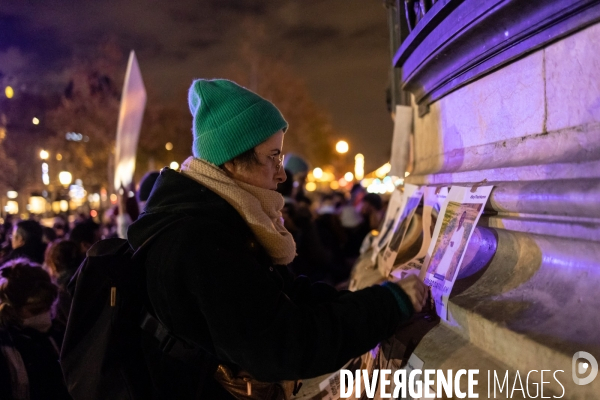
[[211, 282]]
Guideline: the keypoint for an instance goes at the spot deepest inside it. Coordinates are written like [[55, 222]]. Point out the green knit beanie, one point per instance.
[[229, 119]]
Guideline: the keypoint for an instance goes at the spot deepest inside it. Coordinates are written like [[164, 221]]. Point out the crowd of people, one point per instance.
[[37, 262]]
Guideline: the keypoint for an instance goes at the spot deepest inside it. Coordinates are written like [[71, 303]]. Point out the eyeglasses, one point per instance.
[[277, 160]]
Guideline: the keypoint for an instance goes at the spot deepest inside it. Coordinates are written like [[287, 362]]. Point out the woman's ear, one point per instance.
[[229, 167]]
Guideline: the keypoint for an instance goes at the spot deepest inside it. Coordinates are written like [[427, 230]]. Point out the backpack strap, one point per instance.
[[168, 343]]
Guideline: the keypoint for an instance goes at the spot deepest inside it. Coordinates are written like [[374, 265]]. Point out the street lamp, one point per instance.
[[359, 166], [65, 178], [341, 147], [44, 155], [318, 173]]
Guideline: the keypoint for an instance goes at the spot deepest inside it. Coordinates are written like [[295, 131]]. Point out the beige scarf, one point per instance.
[[260, 208]]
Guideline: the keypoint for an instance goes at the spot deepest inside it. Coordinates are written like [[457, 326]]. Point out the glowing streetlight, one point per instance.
[[359, 166], [318, 173], [44, 155], [35, 121], [9, 92], [311, 186], [341, 147], [349, 176], [65, 178], [169, 146], [11, 194], [174, 165]]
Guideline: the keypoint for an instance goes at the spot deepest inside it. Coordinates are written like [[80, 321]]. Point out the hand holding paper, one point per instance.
[[416, 290]]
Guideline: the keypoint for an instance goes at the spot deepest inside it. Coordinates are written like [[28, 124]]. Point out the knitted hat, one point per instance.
[[295, 163], [229, 119]]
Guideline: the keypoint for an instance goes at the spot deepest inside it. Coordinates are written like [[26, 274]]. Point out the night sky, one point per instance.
[[339, 47]]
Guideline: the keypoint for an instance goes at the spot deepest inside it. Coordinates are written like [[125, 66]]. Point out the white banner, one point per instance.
[[133, 103]]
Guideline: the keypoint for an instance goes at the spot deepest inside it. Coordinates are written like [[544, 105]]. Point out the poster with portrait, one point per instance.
[[391, 216], [413, 195], [433, 199], [453, 229]]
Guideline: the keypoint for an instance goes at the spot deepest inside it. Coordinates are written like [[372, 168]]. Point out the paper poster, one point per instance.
[[133, 103], [391, 216], [434, 198], [400, 141], [413, 195], [453, 230], [330, 387]]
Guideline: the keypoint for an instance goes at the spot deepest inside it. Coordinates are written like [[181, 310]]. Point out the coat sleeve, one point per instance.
[[255, 325]]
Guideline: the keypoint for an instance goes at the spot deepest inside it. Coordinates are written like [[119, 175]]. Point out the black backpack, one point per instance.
[[101, 355]]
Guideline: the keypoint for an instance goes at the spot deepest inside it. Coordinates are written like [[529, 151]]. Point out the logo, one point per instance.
[[580, 368]]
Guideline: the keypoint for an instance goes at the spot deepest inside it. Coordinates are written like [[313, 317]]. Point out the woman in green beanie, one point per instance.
[[217, 277]]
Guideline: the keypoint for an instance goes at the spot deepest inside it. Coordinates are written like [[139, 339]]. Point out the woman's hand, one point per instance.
[[415, 289]]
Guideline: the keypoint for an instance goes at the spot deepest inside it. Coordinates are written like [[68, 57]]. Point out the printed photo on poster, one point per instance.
[[455, 224], [391, 216], [413, 195], [433, 199]]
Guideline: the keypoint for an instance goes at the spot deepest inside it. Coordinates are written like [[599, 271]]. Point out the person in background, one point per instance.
[[333, 237], [26, 242], [63, 257], [6, 232], [130, 206], [299, 169], [48, 235], [84, 235], [145, 188], [61, 226], [29, 340], [371, 208]]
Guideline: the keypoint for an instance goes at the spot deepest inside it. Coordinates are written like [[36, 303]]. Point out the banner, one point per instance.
[[133, 103]]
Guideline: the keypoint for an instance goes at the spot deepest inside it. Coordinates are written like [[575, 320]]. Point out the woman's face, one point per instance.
[[268, 171]]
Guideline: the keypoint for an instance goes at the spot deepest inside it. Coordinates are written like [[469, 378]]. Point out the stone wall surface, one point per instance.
[[532, 129]]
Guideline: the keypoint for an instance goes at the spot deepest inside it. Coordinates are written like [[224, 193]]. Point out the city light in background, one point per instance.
[[65, 178], [174, 165], [9, 92], [44, 155], [318, 173], [35, 121], [359, 166], [169, 146], [342, 147]]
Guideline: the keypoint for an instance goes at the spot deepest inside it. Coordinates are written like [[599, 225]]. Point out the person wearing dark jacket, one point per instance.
[[216, 274], [27, 242], [29, 339]]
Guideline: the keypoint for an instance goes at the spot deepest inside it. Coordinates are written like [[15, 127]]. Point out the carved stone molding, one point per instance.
[[459, 41]]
